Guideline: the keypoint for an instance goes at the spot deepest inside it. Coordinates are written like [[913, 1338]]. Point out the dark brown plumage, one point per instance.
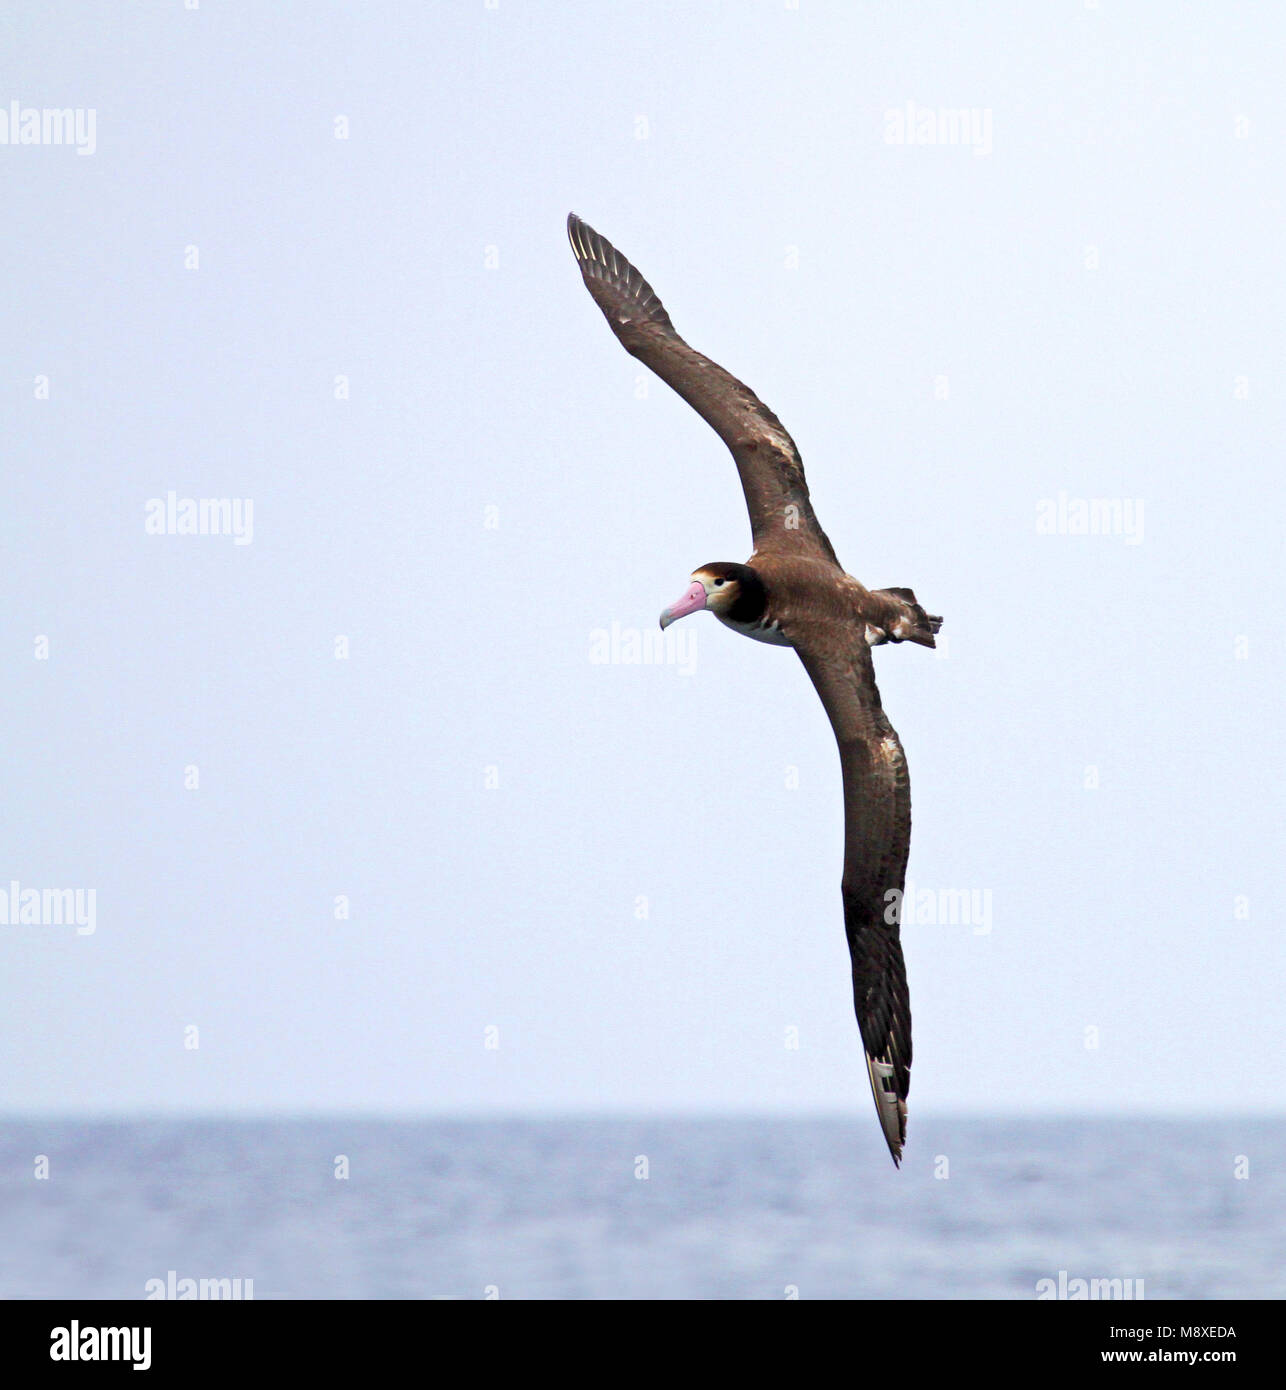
[[793, 591]]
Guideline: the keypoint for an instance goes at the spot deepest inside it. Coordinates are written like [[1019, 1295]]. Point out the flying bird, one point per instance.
[[793, 592]]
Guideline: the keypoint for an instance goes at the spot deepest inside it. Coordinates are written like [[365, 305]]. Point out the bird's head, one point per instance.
[[717, 587]]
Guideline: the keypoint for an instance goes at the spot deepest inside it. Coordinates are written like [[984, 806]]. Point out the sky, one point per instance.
[[386, 797]]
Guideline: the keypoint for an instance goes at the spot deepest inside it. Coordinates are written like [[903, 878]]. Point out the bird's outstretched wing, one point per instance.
[[772, 476], [877, 838]]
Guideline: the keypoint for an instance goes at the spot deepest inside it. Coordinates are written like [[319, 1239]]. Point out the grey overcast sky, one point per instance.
[[316, 260]]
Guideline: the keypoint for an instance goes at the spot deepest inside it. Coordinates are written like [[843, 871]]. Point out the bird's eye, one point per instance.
[[718, 583]]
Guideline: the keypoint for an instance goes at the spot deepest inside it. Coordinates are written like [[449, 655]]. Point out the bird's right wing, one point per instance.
[[772, 475], [877, 839]]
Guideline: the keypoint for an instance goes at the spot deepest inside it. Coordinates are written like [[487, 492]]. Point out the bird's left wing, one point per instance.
[[772, 475], [877, 839]]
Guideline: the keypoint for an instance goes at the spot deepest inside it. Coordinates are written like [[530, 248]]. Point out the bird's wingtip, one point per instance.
[[576, 234], [889, 1106]]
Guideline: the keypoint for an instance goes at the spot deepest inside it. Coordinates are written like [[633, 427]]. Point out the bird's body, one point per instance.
[[794, 592]]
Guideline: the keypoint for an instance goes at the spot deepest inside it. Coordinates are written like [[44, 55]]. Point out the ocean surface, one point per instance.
[[643, 1208]]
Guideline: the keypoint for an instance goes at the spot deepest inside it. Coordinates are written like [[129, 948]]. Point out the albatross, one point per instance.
[[793, 592]]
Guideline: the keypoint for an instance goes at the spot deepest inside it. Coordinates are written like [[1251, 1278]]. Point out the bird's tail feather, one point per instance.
[[917, 626]]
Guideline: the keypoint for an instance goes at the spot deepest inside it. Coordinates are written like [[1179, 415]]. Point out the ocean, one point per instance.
[[694, 1208]]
